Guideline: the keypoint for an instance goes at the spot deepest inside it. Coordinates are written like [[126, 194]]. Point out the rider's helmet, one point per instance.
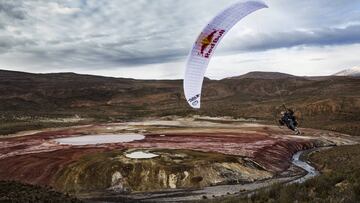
[[291, 112]]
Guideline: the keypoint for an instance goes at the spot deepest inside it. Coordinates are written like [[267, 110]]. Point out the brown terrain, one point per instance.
[[232, 142], [331, 103], [192, 154]]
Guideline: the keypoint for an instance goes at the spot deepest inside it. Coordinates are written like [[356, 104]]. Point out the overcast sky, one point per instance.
[[151, 38]]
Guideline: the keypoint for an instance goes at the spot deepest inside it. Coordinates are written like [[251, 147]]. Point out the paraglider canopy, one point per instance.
[[206, 44]]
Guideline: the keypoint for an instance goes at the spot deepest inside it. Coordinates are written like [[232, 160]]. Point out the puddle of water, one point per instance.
[[141, 155], [100, 139]]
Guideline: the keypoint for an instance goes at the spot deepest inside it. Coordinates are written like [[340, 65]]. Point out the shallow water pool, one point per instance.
[[100, 139], [141, 155]]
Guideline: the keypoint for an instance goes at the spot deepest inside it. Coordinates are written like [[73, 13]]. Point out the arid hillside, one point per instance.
[[320, 102]]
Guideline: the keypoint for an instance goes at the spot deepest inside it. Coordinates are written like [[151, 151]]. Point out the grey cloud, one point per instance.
[[88, 55], [12, 10], [9, 43], [110, 34], [317, 37]]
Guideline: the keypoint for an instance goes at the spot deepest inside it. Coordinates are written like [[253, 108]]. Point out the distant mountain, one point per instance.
[[328, 103], [354, 72], [263, 75]]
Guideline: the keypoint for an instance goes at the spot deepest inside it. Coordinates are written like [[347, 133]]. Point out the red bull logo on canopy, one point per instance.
[[207, 43]]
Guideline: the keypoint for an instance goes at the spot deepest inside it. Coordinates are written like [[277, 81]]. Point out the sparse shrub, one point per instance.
[[11, 191]]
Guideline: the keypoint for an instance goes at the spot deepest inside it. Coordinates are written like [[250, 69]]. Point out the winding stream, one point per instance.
[[311, 171]]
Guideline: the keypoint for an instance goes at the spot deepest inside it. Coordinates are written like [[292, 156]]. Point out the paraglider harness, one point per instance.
[[288, 118]]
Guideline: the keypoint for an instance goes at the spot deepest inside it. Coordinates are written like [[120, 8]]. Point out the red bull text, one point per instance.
[[208, 42]]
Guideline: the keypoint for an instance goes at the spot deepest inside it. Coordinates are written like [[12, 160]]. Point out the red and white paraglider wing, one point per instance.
[[206, 44]]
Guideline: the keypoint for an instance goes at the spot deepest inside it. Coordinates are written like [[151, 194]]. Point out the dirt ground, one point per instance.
[[34, 157]]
